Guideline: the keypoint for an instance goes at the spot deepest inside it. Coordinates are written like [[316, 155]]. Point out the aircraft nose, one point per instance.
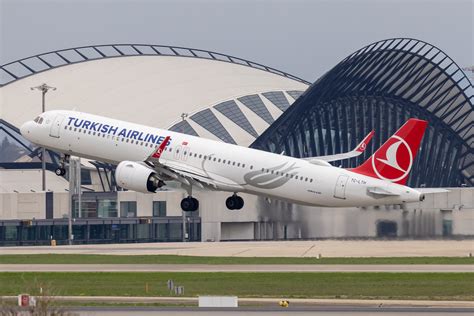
[[25, 129]]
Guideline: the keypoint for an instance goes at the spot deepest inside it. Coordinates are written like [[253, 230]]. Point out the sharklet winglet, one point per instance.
[[161, 148]]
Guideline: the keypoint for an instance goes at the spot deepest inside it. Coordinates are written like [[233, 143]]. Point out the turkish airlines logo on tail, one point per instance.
[[394, 163]]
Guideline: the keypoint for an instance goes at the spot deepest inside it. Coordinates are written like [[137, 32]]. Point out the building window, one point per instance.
[[107, 208], [128, 209], [159, 208], [88, 209]]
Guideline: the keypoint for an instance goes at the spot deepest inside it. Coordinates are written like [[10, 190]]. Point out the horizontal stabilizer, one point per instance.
[[431, 190], [381, 191]]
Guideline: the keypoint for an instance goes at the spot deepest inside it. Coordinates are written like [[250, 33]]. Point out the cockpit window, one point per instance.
[[38, 120]]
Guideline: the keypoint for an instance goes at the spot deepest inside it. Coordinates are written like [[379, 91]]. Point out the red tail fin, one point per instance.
[[394, 159]]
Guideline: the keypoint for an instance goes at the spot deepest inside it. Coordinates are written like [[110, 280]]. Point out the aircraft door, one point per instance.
[[56, 126], [340, 189]]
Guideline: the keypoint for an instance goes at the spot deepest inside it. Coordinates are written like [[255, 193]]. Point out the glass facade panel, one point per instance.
[[175, 231], [128, 209], [295, 94], [96, 231], [183, 127], [278, 98], [143, 231], [159, 208], [11, 232], [254, 103], [209, 121], [231, 110], [162, 232]]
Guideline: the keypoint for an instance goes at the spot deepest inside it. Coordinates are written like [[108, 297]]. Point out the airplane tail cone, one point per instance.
[[394, 159]]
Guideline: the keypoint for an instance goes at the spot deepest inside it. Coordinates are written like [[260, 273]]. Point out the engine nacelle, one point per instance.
[[134, 176]]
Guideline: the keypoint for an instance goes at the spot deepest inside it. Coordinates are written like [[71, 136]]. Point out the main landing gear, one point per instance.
[[234, 202], [61, 170], [189, 204]]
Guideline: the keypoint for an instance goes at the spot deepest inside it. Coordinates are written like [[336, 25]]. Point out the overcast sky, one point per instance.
[[304, 38]]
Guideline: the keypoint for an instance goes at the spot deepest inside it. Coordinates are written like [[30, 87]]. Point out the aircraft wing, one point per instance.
[[196, 177], [359, 149], [189, 175]]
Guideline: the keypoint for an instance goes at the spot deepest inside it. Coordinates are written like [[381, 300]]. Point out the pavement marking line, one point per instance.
[[454, 268], [308, 250]]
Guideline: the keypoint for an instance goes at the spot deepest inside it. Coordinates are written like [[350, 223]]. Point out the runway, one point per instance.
[[308, 248], [232, 268], [252, 311]]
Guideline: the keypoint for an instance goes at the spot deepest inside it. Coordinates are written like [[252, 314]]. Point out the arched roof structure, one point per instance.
[[379, 87]]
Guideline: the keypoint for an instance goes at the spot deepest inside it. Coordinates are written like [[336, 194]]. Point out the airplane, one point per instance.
[[148, 157]]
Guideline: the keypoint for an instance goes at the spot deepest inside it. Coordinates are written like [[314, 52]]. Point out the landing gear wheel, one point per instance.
[[234, 202], [60, 171], [189, 204], [240, 202]]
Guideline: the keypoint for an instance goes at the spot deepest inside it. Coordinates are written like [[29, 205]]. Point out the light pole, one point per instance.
[[44, 88]]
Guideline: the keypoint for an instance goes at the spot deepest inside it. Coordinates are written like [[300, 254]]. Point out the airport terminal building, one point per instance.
[[237, 101]]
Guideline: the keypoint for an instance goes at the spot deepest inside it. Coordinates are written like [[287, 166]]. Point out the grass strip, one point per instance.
[[174, 259], [415, 286]]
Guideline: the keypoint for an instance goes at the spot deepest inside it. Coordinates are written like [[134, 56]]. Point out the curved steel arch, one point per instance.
[[380, 86], [32, 65]]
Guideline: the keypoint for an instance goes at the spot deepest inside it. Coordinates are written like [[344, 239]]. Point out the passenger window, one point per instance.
[[238, 164], [215, 158], [223, 161], [243, 165], [296, 178]]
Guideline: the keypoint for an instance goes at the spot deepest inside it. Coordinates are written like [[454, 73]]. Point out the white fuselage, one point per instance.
[[252, 171]]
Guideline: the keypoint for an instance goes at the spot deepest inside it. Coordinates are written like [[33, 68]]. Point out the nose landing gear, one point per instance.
[[61, 170], [234, 202]]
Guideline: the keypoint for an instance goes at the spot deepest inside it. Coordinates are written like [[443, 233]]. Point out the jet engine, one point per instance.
[[137, 177]]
